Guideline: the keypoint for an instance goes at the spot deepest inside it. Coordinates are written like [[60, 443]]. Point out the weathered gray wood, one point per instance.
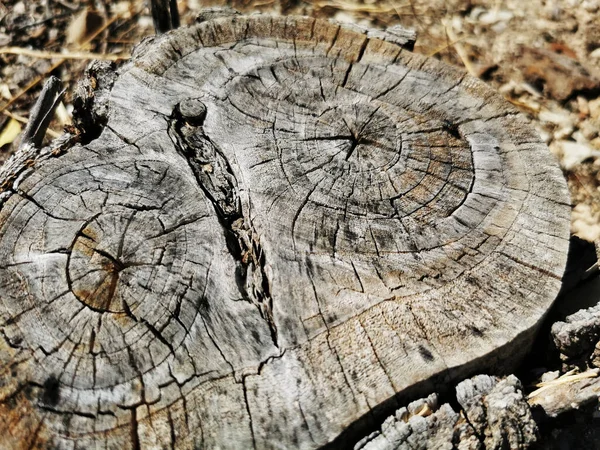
[[42, 112], [576, 339], [284, 225], [494, 416], [567, 397]]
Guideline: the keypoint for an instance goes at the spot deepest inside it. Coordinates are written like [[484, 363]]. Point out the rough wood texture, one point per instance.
[[494, 416], [560, 398], [284, 225], [577, 339], [41, 114]]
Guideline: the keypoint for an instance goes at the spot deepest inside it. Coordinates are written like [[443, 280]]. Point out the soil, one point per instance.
[[543, 56]]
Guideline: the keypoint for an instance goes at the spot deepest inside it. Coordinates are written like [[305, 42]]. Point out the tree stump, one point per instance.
[[284, 226]]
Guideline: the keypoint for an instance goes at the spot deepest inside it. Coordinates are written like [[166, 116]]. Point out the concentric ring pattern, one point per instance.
[[284, 224]]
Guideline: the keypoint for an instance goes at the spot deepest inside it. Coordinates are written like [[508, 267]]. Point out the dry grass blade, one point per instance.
[[461, 51], [413, 11], [568, 377], [24, 120], [67, 55], [424, 411], [353, 7], [524, 106], [31, 85]]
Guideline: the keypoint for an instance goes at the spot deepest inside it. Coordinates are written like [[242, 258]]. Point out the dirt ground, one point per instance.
[[542, 56]]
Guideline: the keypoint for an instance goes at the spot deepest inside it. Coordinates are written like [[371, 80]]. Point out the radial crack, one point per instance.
[[216, 179]]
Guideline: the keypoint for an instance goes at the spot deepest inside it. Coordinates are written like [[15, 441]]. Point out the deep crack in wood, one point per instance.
[[284, 226]]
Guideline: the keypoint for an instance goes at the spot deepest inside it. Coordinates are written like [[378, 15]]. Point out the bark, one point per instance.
[[576, 338], [494, 416], [284, 226]]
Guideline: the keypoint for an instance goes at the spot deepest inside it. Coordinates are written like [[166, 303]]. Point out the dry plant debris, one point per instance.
[[542, 55]]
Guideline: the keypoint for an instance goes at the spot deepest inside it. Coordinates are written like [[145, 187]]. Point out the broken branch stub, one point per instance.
[[284, 225], [42, 112], [165, 15]]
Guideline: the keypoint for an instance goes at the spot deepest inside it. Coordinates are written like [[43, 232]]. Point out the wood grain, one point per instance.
[[284, 225]]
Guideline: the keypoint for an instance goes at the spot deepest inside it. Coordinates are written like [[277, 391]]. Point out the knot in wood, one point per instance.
[[193, 111]]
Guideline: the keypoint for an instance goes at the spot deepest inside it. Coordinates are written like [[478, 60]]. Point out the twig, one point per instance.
[[42, 22], [164, 15], [412, 9], [119, 39], [42, 111], [30, 85], [262, 3], [350, 7], [68, 55], [525, 106]]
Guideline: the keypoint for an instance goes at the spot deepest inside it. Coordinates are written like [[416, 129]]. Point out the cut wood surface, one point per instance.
[[284, 226]]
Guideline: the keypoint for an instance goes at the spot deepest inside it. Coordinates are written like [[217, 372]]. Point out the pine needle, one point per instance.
[[565, 379]]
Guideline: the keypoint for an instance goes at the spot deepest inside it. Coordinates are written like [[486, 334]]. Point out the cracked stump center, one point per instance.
[[97, 262]]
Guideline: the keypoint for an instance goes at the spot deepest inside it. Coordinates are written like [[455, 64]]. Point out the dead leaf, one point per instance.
[[5, 92], [10, 132], [83, 26], [62, 114], [556, 75]]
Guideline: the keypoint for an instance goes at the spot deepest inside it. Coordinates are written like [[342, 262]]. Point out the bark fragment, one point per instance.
[[494, 415]]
